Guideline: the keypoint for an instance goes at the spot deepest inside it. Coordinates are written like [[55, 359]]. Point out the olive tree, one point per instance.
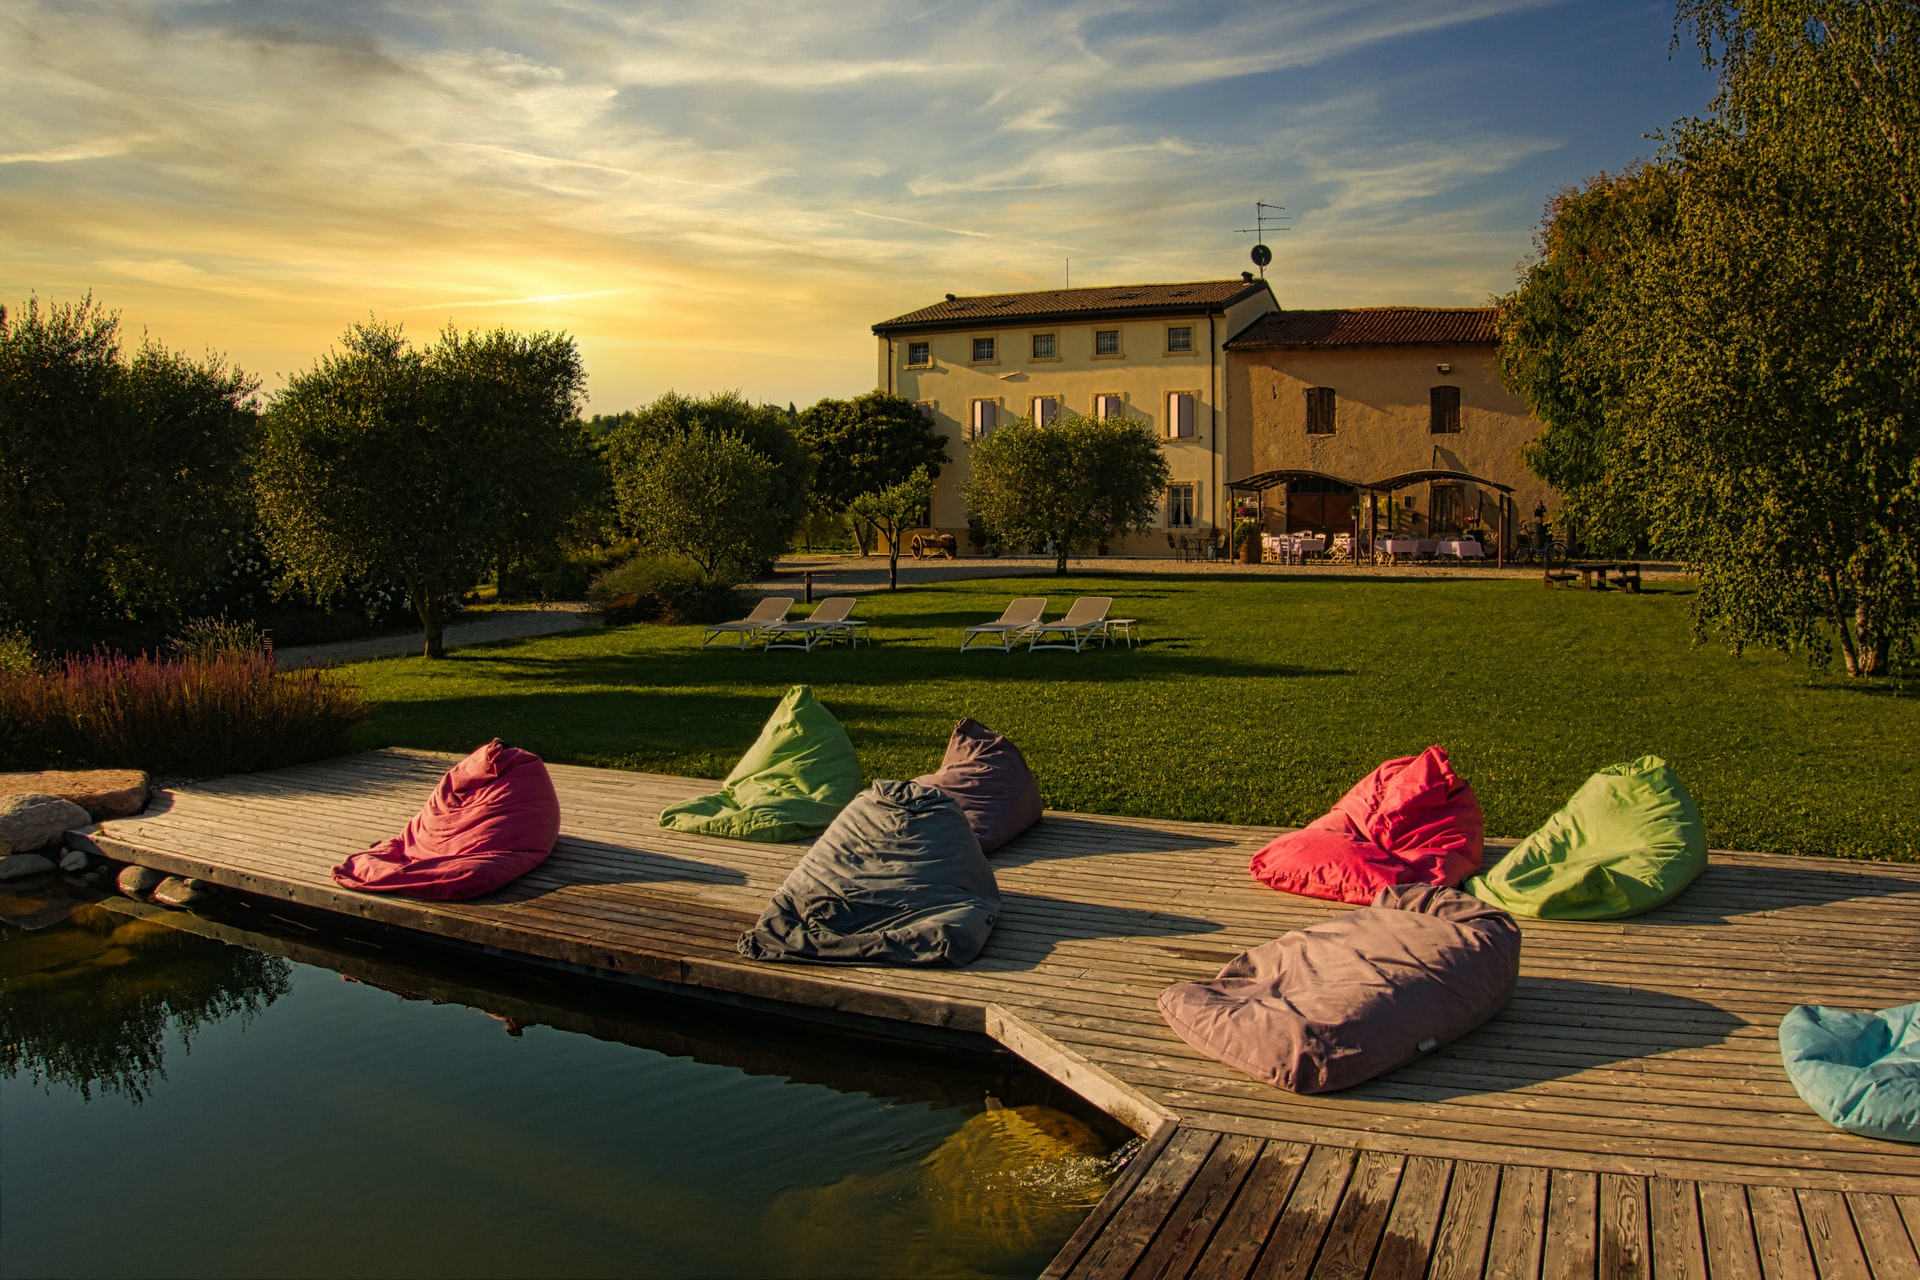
[[707, 495], [422, 466], [1075, 482], [123, 481], [892, 511]]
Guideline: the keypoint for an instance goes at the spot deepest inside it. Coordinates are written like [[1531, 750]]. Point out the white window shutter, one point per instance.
[[986, 416], [1180, 414]]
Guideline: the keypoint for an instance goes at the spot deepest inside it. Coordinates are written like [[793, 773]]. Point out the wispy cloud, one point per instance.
[[728, 193]]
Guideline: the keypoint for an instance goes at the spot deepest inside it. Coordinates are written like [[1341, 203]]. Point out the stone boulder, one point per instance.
[[103, 793], [16, 865], [32, 822], [138, 882], [176, 891]]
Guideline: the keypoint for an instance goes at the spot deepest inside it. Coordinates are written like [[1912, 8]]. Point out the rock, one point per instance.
[[74, 861], [138, 882], [103, 793], [16, 865], [177, 892], [29, 822]]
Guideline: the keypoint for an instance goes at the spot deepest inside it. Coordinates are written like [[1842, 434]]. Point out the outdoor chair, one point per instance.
[[1006, 630], [829, 620], [770, 612], [1083, 622]]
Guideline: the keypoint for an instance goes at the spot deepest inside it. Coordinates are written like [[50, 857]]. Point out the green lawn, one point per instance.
[[1253, 700]]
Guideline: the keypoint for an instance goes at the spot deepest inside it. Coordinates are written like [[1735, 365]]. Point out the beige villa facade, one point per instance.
[[1155, 353], [1367, 394]]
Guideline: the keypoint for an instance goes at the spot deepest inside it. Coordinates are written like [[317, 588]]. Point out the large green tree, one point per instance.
[[709, 496], [628, 437], [866, 445], [421, 465], [1754, 354], [123, 481], [1075, 483]]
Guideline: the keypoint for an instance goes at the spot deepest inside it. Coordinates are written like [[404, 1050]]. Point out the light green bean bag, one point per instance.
[[794, 780], [1629, 840]]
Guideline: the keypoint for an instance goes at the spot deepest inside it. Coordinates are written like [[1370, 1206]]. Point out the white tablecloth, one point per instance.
[[1461, 548]]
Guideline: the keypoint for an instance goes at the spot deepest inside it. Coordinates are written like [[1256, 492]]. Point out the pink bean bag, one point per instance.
[[493, 818], [1411, 821]]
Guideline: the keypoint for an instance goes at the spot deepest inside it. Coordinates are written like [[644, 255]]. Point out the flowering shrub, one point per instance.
[[199, 716]]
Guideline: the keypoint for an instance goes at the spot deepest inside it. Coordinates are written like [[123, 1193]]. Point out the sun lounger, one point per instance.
[[768, 613], [1083, 622], [1009, 628], [829, 620]]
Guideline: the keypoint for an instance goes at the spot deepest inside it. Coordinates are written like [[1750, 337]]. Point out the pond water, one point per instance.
[[280, 1100]]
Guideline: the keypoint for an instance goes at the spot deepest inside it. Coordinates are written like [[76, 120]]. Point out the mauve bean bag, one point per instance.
[[493, 818], [898, 878], [1331, 1006], [1411, 821], [1860, 1071], [989, 779], [792, 782]]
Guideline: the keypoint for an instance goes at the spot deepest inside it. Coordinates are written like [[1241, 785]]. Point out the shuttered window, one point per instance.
[[1445, 416], [986, 416], [1320, 409], [1109, 406], [1180, 415], [1044, 409]]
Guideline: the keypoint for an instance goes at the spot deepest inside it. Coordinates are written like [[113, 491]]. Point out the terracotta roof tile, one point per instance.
[[1117, 301], [1370, 327]]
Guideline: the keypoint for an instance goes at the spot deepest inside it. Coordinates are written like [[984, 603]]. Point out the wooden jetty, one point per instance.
[[1626, 1116]]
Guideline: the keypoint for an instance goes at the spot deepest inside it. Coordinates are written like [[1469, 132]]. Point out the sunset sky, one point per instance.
[[723, 195]]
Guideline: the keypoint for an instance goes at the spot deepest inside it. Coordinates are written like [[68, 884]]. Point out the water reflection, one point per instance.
[[88, 1003]]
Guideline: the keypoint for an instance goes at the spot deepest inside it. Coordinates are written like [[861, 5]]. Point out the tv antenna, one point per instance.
[[1263, 213]]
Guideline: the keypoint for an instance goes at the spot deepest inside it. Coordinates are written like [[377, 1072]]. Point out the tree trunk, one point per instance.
[[1060, 559], [1873, 644], [432, 622], [893, 567]]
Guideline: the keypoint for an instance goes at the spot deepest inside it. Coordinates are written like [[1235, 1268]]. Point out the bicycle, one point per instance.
[[1535, 547]]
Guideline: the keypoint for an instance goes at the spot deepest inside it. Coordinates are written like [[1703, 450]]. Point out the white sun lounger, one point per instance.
[[1087, 619], [828, 621], [768, 613], [1009, 628]]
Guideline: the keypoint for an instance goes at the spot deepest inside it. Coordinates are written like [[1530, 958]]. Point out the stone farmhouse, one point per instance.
[[1287, 414]]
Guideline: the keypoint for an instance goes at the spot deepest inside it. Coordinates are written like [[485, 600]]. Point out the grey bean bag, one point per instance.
[[1354, 997], [898, 878], [990, 781]]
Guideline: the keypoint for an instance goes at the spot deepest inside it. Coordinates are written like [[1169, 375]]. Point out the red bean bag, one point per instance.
[[1411, 821], [493, 818]]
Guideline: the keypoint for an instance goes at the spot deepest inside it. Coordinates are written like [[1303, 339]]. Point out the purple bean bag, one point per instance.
[[1351, 998], [989, 779], [1411, 821]]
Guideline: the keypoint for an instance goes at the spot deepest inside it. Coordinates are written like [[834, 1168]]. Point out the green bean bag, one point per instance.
[[1860, 1071], [794, 780], [1629, 840]]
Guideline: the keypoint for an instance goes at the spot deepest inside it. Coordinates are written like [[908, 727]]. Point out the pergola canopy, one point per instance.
[[1412, 478], [1265, 480], [1272, 479]]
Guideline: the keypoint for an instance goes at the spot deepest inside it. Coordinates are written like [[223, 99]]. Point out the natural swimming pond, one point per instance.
[[280, 1100]]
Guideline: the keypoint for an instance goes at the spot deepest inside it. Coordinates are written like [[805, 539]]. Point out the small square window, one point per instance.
[[1180, 339], [982, 349], [1043, 347], [1106, 342], [919, 355]]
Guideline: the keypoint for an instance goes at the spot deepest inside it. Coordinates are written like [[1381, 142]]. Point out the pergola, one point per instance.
[[1260, 482]]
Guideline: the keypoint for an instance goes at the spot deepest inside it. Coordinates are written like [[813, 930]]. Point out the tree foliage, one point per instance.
[[122, 481], [866, 445], [707, 495], [1075, 483], [893, 511], [424, 466], [628, 438], [1740, 381]]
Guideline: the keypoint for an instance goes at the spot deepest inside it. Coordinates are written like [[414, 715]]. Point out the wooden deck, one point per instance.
[[1627, 1115]]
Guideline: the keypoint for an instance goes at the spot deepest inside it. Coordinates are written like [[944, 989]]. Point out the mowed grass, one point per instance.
[[1253, 700]]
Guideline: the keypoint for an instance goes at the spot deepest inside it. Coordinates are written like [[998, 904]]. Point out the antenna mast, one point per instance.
[[1263, 213]]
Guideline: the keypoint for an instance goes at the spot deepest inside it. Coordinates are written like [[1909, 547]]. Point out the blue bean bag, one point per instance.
[[1860, 1071]]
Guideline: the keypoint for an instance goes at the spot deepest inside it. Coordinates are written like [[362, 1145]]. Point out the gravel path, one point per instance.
[[506, 624]]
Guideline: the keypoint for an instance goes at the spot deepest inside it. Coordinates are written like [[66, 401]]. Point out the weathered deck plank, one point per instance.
[[1626, 1116]]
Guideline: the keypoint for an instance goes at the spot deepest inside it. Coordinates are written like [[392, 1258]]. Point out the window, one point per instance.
[[1180, 506], [986, 416], [1109, 406], [1180, 414], [927, 408], [1044, 347], [1320, 403], [919, 355], [1445, 419], [1044, 409], [1180, 340], [982, 350], [1106, 342]]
